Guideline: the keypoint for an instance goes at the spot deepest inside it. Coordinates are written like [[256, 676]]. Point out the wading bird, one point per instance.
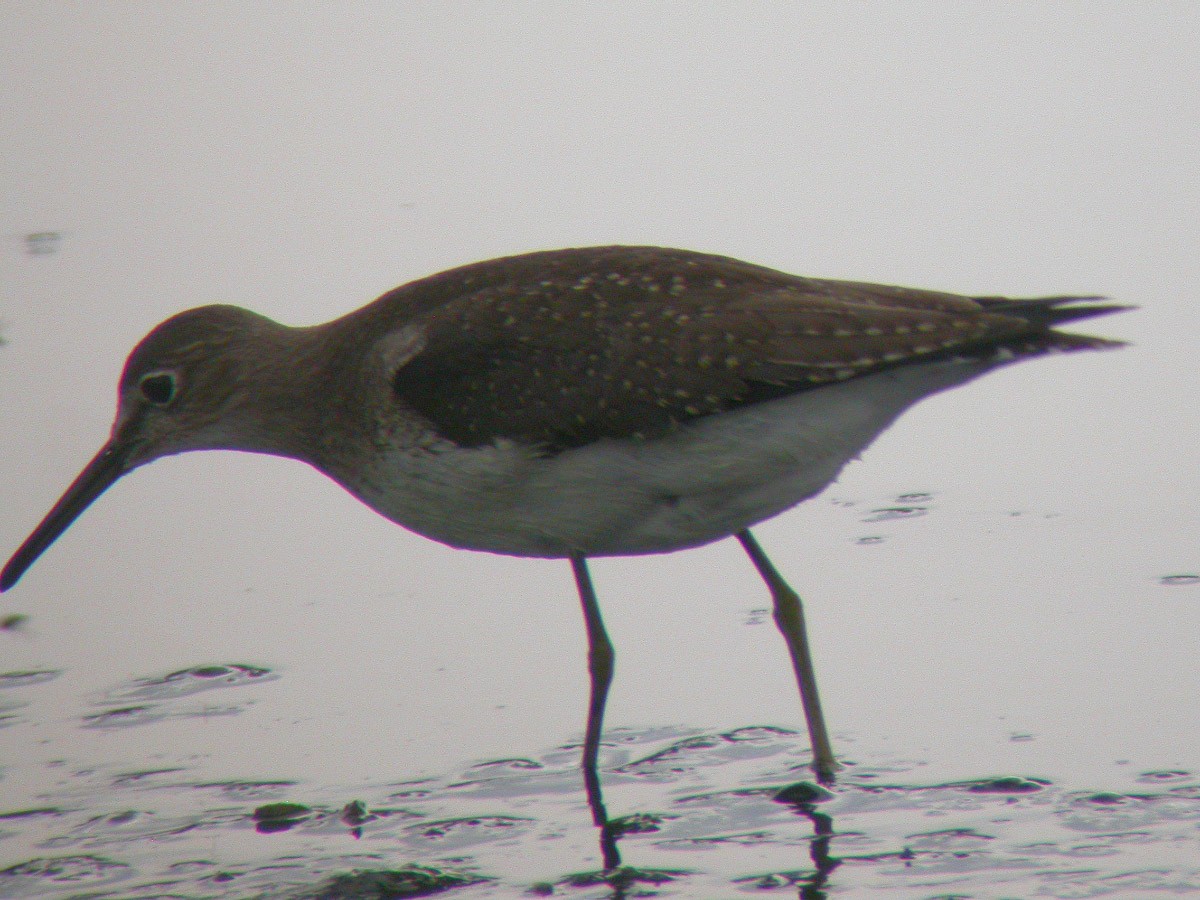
[[601, 401]]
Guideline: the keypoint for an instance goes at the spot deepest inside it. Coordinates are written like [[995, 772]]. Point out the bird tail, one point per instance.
[[1046, 312]]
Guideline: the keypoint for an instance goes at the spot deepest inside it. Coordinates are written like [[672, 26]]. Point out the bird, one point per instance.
[[574, 403]]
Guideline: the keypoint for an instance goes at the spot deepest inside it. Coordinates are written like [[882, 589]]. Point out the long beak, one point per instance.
[[105, 468]]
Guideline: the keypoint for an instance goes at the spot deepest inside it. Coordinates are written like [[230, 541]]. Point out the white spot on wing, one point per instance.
[[399, 347]]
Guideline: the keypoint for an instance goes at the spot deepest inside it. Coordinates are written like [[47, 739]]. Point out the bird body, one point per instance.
[[603, 401], [572, 403]]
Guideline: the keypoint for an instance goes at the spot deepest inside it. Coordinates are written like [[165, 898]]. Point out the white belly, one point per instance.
[[708, 480]]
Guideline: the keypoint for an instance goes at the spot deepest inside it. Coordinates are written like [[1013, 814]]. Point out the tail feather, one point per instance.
[[1043, 313], [1050, 311]]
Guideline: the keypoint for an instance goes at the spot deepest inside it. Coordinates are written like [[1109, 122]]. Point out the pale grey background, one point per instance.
[[302, 158]]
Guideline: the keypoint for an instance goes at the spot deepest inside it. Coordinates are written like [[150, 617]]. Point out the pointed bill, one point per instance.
[[97, 476]]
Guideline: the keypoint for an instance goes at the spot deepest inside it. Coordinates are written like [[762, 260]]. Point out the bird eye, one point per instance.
[[158, 387]]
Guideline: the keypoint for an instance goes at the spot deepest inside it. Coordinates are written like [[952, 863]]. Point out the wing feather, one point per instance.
[[568, 347]]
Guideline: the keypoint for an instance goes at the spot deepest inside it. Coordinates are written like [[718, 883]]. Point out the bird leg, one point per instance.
[[789, 618], [600, 671]]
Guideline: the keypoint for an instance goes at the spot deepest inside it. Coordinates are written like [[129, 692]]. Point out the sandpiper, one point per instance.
[[572, 403]]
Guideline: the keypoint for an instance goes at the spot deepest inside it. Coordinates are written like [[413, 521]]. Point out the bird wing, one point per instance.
[[559, 351]]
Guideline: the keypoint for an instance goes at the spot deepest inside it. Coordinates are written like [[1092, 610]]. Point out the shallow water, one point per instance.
[[239, 779], [700, 814]]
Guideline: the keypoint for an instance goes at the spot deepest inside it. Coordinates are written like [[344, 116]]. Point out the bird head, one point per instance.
[[188, 385]]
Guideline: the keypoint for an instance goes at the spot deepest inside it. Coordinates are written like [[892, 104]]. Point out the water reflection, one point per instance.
[[702, 814]]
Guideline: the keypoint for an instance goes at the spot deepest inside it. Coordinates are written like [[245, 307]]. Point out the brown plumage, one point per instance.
[[569, 346]]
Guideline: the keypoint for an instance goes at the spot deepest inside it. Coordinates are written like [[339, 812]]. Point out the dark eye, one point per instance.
[[158, 387]]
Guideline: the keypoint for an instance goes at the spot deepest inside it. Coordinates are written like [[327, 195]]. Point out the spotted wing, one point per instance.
[[630, 342]]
